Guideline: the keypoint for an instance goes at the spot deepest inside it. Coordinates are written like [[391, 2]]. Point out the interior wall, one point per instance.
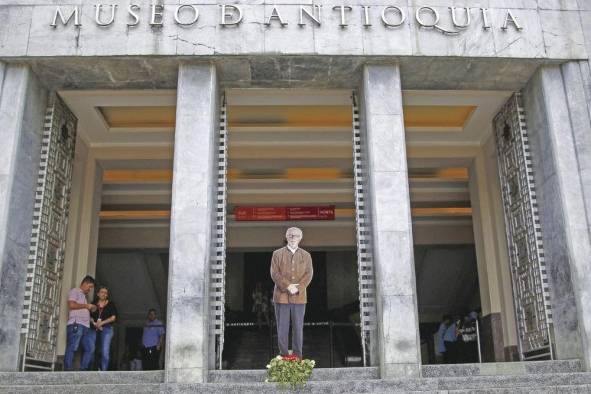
[[502, 260], [335, 236], [447, 280], [342, 278], [235, 281], [137, 281]]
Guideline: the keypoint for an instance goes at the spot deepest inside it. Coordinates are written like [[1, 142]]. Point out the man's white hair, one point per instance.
[[295, 229]]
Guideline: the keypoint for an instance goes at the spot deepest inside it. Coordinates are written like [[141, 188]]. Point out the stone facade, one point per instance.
[[549, 29], [22, 108], [539, 46]]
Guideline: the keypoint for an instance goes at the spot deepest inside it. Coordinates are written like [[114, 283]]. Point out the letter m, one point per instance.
[[58, 13]]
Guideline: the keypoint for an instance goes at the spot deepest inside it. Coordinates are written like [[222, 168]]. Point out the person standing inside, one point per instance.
[[469, 336], [440, 344], [102, 319], [260, 305], [152, 339], [78, 328], [291, 271], [450, 338]]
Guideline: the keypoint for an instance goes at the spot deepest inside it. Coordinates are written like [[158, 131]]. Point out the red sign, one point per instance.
[[284, 213]]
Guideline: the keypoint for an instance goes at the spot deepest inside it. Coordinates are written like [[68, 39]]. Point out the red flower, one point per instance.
[[290, 357]]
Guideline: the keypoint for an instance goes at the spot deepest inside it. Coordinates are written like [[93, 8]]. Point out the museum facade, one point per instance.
[[436, 154]]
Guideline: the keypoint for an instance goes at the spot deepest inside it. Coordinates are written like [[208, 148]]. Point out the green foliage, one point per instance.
[[289, 373]]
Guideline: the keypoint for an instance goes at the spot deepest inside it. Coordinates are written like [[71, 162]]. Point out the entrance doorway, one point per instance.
[[461, 258], [291, 149], [119, 222], [257, 271]]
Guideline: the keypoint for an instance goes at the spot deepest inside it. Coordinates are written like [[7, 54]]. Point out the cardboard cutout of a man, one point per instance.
[[291, 270]]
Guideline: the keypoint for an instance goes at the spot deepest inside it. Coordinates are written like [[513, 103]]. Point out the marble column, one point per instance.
[[22, 109], [191, 224], [389, 201], [494, 276], [556, 118]]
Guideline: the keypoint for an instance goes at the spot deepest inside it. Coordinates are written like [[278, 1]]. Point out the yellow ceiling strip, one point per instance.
[[134, 215], [139, 116], [427, 212], [435, 116], [137, 176]]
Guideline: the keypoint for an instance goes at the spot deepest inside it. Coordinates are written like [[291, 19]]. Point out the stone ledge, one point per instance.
[[319, 374], [509, 368], [90, 377], [543, 383]]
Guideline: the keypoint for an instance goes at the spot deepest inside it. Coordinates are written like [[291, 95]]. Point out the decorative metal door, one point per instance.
[[367, 306], [218, 263], [524, 234], [48, 239]]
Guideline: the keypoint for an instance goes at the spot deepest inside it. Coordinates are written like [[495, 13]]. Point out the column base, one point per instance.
[[493, 349], [392, 371], [511, 353], [185, 375]]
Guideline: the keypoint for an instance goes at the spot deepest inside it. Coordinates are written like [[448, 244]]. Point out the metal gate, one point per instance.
[[218, 263], [366, 278], [524, 234], [48, 239]]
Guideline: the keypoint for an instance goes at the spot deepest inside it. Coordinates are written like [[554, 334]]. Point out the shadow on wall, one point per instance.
[[137, 280]]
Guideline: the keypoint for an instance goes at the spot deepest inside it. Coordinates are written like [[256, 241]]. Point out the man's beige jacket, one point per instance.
[[287, 268]]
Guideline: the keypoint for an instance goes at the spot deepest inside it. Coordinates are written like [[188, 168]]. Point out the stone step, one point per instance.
[[89, 377], [544, 383], [512, 368], [319, 374], [455, 370], [532, 382]]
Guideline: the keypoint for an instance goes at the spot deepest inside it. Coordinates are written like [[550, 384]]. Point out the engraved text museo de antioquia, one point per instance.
[[452, 20]]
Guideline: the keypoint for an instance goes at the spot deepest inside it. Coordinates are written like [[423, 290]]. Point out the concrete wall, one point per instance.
[[555, 123], [191, 224], [391, 225], [22, 110]]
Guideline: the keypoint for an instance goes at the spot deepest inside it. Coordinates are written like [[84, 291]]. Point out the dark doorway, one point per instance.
[[256, 269]]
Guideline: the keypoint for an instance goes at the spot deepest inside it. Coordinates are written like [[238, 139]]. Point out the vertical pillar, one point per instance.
[[502, 264], [492, 344], [397, 314], [555, 118], [22, 109], [191, 224], [493, 266]]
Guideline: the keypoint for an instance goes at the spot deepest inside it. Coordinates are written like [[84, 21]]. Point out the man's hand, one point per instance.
[[293, 288], [91, 307]]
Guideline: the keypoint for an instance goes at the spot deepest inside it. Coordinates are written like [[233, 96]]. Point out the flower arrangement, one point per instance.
[[289, 371]]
